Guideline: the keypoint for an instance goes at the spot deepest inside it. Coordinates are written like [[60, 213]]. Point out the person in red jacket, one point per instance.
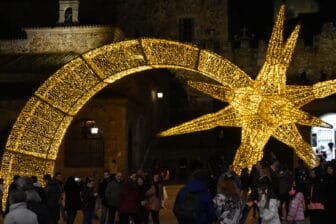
[[129, 203]]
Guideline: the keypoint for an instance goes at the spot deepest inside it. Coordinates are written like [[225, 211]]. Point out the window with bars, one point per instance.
[[84, 145]]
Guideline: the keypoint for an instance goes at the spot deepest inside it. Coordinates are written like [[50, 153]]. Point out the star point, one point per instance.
[[264, 108]]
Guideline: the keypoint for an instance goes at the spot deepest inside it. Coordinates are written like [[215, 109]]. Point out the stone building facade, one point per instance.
[[61, 39]]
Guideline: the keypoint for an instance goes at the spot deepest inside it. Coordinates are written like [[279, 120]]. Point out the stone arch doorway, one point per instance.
[[68, 16], [35, 138]]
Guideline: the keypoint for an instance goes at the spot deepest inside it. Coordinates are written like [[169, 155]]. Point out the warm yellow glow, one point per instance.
[[262, 108], [38, 132]]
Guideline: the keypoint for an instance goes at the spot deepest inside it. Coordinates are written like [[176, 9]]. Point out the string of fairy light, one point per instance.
[[262, 108]]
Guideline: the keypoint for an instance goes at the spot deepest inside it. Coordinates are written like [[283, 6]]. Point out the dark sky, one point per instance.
[[256, 15]]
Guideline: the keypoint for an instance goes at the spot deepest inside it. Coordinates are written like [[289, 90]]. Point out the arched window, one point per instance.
[[68, 16]]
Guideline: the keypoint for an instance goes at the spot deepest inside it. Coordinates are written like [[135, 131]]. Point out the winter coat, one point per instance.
[[129, 199], [330, 183], [275, 182], [72, 196], [330, 203], [39, 208], [244, 179], [53, 194], [285, 182], [154, 196], [88, 199], [41, 211], [296, 210], [19, 214], [101, 190], [269, 215], [112, 192], [318, 190], [207, 211], [254, 177]]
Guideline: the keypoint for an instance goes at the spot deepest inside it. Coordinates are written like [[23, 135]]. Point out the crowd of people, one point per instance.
[[213, 194], [136, 198], [271, 192]]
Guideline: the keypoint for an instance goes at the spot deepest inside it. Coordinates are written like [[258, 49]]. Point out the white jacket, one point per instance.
[[269, 215], [19, 214]]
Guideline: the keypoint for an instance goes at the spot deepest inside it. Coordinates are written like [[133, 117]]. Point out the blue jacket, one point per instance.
[[207, 209]]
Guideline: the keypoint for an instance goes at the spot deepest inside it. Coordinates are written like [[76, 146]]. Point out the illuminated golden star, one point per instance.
[[263, 107]]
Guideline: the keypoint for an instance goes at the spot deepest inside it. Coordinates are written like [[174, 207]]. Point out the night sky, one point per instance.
[[256, 15]]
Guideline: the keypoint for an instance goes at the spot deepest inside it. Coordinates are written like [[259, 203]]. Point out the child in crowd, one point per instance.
[[267, 202], [296, 209], [227, 202]]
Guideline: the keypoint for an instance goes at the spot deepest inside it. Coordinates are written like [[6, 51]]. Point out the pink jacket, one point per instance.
[[296, 210]]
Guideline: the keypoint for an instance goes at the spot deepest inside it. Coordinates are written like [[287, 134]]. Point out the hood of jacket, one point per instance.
[[17, 205]]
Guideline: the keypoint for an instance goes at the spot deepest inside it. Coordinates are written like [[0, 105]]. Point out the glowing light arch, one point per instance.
[[34, 141]]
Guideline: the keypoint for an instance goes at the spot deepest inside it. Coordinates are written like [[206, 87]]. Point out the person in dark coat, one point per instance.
[[38, 188], [301, 175], [129, 203], [330, 203], [73, 202], [12, 186], [317, 197], [143, 188], [53, 193], [198, 184], [88, 201], [101, 192], [254, 177], [111, 195], [285, 184], [273, 169], [245, 184]]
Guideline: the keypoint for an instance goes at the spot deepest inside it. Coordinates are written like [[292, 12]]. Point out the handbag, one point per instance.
[[315, 206]]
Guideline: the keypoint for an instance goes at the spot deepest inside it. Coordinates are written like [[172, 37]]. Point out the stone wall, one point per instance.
[[111, 118], [313, 60], [77, 39], [160, 18]]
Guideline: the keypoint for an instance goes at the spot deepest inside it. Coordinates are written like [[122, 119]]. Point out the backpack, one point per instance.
[[187, 209]]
